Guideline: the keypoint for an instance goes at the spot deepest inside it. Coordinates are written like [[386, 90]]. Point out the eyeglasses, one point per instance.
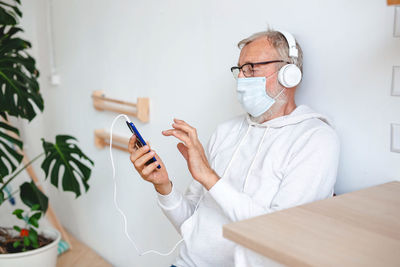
[[248, 68]]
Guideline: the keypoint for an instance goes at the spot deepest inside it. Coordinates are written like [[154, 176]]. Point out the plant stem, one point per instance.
[[19, 171], [12, 194]]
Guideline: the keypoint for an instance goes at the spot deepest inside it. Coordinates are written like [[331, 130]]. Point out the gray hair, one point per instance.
[[278, 41]]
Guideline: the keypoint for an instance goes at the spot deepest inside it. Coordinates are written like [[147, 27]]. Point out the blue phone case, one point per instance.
[[140, 141]]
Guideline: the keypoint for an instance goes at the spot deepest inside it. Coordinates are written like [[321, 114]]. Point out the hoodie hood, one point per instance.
[[299, 114]]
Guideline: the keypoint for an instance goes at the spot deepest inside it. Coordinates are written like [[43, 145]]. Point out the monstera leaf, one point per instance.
[[19, 89], [9, 157], [18, 76], [68, 155], [9, 13]]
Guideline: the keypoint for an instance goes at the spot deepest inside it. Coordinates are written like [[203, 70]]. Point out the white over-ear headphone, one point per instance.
[[290, 75]]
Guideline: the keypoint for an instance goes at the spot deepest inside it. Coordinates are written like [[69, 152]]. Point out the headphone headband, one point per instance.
[[293, 52]]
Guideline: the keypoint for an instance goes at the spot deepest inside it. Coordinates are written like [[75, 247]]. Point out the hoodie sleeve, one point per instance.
[[178, 207], [309, 176]]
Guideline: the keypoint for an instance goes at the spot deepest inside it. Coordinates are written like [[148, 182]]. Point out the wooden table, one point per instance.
[[361, 228]]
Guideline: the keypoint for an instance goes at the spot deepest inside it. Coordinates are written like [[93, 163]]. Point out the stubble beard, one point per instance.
[[272, 111]]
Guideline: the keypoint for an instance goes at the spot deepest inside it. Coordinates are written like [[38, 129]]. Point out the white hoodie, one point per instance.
[[284, 162]]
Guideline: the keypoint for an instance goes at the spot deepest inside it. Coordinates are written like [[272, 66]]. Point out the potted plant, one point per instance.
[[19, 97]]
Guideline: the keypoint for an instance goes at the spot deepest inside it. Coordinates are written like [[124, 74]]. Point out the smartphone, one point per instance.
[[140, 141]]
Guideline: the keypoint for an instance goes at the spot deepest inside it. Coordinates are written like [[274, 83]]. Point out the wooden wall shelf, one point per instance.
[[139, 110], [102, 137], [393, 2]]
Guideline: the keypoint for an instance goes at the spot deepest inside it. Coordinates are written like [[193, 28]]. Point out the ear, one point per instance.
[[184, 150]]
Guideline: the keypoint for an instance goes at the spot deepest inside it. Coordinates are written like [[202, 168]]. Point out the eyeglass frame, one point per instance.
[[252, 66]]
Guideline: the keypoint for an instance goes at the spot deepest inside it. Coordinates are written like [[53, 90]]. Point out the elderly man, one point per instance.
[[278, 155]]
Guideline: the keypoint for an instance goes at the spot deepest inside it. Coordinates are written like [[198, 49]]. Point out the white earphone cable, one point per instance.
[[236, 150], [116, 203]]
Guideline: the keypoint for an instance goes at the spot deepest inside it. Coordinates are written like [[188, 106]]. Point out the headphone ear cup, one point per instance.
[[289, 76]]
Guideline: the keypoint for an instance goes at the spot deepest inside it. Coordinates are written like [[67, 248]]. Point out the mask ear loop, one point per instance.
[[277, 82], [266, 77], [116, 203], [276, 97]]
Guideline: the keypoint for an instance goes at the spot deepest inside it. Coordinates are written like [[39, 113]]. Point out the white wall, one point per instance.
[[179, 53]]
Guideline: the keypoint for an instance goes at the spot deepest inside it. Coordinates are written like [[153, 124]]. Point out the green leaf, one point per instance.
[[34, 219], [16, 244], [18, 75], [9, 157], [64, 153], [31, 196], [7, 18], [1, 197], [14, 8], [33, 231], [37, 215], [33, 237], [19, 87], [18, 213], [34, 222], [27, 242], [16, 228], [35, 207]]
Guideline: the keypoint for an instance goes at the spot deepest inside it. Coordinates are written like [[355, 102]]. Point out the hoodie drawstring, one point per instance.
[[236, 150], [254, 160]]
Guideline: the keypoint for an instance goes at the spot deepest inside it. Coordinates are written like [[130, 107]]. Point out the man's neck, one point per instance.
[[283, 110]]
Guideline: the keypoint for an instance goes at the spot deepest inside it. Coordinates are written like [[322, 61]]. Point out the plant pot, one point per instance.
[[41, 257]]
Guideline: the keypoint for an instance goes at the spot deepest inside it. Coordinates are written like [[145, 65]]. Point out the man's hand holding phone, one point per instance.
[[157, 176]]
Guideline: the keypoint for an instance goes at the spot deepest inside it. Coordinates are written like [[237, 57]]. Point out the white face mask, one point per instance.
[[252, 94]]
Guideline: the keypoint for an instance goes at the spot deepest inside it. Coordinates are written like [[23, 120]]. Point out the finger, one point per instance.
[[182, 122], [179, 121], [138, 153], [131, 144], [185, 128], [158, 158], [190, 130], [140, 162], [150, 168], [178, 134], [160, 162], [184, 150], [139, 143]]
